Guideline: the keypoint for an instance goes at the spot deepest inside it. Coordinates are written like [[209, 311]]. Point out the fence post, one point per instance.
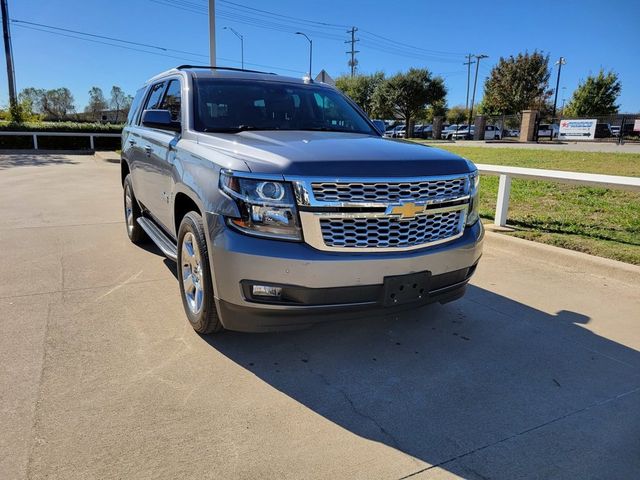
[[502, 204], [620, 139], [91, 146], [35, 141]]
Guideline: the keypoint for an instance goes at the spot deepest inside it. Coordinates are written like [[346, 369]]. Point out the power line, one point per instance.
[[104, 37], [24, 24]]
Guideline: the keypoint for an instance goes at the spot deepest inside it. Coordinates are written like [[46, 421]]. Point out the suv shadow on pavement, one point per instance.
[[485, 387]]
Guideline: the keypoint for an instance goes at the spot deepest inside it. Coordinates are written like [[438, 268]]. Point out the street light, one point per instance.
[[560, 62], [473, 97], [310, 49], [241, 43]]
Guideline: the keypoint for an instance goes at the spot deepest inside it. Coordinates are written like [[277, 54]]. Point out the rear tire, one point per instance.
[[194, 276], [132, 212]]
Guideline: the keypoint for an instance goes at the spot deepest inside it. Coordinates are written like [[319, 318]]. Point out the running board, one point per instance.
[[164, 243]]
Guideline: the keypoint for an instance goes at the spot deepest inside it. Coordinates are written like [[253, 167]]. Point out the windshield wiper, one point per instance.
[[328, 129], [239, 128]]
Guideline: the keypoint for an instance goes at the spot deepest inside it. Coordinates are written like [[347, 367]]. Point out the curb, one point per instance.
[[577, 261]]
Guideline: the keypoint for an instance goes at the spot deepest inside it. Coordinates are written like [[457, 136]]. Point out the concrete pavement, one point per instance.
[[534, 374]]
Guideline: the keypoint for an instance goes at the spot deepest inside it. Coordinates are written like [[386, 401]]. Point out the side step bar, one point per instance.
[[164, 243]]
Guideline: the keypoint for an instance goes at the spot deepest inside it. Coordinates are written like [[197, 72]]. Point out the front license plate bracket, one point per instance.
[[401, 289]]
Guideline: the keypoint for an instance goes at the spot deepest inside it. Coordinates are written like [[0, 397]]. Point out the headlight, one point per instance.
[[267, 207], [473, 215]]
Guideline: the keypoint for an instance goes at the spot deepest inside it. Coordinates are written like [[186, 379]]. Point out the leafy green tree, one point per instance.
[[517, 83], [97, 103], [120, 102], [361, 89], [597, 95], [436, 109], [407, 95], [457, 114]]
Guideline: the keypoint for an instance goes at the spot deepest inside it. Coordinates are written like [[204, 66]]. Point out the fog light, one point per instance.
[[266, 291]]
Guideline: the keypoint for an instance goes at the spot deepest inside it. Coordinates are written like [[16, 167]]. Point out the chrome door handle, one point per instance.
[[132, 142], [148, 149]]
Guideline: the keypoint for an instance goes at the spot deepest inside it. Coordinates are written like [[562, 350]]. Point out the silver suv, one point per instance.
[[283, 205]]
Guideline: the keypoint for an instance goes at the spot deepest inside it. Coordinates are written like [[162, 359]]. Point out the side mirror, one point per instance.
[[160, 119]]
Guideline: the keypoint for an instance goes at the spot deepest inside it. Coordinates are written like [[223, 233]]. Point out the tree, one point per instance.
[[436, 109], [120, 102], [597, 95], [56, 103], [517, 83], [97, 103], [406, 95], [457, 114], [361, 89]]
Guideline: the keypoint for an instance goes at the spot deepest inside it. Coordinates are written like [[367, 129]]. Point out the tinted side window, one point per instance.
[[155, 95], [135, 105], [172, 100]]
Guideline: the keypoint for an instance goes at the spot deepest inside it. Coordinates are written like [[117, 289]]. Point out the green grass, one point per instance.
[[592, 220]]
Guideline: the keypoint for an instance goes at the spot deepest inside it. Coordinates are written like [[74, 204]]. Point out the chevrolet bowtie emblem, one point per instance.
[[408, 210]]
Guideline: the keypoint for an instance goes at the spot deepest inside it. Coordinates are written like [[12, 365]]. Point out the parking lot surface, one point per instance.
[[534, 374]]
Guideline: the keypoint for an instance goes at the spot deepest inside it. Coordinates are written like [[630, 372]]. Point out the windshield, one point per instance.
[[237, 105]]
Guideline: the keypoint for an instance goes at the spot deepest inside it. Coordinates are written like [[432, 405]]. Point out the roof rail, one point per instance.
[[182, 67]]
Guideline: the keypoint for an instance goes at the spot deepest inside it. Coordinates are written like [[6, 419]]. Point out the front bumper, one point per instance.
[[330, 285]]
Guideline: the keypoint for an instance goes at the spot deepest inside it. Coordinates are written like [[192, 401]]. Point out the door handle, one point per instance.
[[132, 142], [148, 149]]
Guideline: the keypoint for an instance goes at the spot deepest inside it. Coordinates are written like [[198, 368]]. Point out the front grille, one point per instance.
[[390, 232], [386, 192]]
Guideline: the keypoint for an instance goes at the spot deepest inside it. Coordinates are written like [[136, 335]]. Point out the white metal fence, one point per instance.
[[577, 178], [35, 136]]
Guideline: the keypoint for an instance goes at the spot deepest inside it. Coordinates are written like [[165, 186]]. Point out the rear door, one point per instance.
[[158, 147], [164, 144]]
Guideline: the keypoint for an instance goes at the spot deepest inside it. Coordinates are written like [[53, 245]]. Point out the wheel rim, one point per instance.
[[128, 208], [191, 273]]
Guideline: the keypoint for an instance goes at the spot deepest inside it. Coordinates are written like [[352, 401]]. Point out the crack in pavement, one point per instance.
[[524, 432], [393, 440]]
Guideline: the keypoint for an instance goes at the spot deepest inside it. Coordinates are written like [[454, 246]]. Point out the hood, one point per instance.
[[334, 154]]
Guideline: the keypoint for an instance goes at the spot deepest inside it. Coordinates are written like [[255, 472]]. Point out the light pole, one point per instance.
[[560, 62], [473, 97], [212, 32], [310, 50], [11, 76], [241, 43], [563, 100]]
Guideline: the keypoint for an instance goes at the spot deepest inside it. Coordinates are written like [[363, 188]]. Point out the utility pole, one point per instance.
[[468, 64], [241, 37], [353, 62], [310, 51], [475, 81], [560, 62], [8, 52], [212, 32]]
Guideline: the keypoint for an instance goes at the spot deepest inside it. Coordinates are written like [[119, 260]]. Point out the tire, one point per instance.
[[132, 212], [194, 276]]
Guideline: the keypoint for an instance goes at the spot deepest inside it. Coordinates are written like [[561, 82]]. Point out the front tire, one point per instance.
[[194, 276], [132, 212]]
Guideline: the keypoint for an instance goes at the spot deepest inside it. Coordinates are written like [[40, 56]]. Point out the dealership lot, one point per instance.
[[535, 373]]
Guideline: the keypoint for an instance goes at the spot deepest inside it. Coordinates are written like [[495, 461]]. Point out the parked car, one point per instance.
[[283, 206], [491, 132], [615, 130], [603, 130], [549, 131], [447, 133], [423, 131], [393, 131]]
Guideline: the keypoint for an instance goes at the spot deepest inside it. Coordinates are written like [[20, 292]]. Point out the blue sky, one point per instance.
[[590, 34]]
